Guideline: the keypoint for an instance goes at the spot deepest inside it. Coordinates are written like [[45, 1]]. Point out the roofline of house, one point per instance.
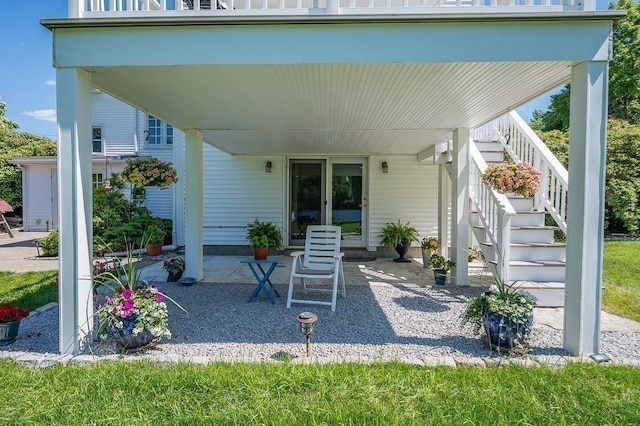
[[114, 21], [19, 161]]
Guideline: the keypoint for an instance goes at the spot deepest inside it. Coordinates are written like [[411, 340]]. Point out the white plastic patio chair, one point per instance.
[[320, 260]]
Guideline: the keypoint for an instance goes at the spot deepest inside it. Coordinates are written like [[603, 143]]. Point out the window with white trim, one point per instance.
[[159, 132], [97, 179], [96, 139]]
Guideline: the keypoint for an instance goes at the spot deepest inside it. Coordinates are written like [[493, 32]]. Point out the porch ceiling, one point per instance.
[[390, 108]]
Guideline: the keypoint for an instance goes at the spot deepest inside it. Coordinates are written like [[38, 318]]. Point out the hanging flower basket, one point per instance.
[[517, 178], [149, 171]]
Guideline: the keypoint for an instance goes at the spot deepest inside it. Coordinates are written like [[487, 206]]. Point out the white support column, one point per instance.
[[460, 207], [443, 209], [585, 214], [73, 92], [178, 188], [193, 203]]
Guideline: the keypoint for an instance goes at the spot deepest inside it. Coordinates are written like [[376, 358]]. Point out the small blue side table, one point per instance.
[[262, 275]]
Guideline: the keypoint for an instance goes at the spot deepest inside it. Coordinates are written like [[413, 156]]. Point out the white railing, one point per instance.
[[494, 211], [106, 8], [522, 144]]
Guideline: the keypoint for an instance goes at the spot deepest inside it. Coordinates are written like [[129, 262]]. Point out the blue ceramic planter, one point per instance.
[[503, 332], [8, 332]]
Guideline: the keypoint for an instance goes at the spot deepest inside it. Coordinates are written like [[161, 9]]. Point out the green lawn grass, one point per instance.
[[621, 278], [28, 290], [144, 393]]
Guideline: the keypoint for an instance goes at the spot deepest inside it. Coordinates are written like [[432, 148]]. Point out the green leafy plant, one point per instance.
[[154, 234], [394, 234], [514, 305], [437, 261], [174, 265], [259, 231], [49, 244]]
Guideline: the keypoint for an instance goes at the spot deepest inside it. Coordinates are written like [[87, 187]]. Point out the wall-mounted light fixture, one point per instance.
[[385, 167], [267, 167]]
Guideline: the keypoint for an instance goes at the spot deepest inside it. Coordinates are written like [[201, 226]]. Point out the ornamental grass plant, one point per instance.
[[516, 178]]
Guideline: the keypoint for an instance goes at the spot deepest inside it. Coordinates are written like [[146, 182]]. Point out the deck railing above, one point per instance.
[[109, 8]]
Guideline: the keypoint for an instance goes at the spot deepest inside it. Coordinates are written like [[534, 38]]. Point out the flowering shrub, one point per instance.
[[137, 310], [10, 313], [518, 178], [149, 171], [430, 243], [174, 265]]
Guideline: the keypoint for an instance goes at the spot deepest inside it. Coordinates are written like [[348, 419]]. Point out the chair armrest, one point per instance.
[[297, 254], [339, 256]]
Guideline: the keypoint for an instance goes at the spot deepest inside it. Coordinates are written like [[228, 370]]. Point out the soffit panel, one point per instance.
[[329, 108]]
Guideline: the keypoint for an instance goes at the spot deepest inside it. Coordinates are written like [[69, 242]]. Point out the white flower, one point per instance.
[[493, 289]]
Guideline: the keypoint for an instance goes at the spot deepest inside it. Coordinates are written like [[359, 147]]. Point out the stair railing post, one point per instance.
[[503, 254]]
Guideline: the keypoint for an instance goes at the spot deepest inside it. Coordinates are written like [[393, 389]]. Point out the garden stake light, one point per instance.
[[307, 321]]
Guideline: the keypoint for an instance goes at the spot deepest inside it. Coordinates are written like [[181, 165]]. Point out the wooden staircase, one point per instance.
[[537, 262]]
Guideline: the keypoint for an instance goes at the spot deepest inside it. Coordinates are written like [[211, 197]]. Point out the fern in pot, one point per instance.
[[399, 236]]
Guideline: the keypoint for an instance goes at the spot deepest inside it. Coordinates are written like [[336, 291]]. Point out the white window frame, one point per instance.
[[97, 179], [158, 132], [94, 140]]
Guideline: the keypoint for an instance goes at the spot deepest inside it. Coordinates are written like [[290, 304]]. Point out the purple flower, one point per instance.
[[127, 293]]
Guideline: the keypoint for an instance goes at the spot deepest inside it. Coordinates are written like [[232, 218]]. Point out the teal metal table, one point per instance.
[[263, 275]]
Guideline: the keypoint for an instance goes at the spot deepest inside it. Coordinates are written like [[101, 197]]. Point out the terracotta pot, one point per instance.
[[154, 249], [260, 253]]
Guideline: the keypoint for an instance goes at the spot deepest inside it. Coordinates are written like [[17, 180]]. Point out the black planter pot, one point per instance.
[[172, 278], [9, 332], [402, 250]]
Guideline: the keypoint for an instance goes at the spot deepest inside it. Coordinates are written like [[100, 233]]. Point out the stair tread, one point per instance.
[[534, 263], [489, 244], [545, 227], [539, 284]]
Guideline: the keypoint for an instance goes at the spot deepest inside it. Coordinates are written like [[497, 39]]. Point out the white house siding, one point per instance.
[[408, 192], [236, 191], [160, 201], [118, 122], [38, 212]]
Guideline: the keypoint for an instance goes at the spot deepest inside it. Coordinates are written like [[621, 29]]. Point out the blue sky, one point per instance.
[[27, 78]]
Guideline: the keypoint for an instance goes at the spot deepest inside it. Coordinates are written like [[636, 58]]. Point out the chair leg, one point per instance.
[[334, 292], [290, 292], [344, 290]]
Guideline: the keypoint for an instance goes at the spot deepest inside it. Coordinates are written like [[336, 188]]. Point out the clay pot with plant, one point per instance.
[[262, 236], [153, 238]]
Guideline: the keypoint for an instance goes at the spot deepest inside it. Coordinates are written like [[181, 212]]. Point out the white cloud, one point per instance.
[[42, 114], [50, 82]]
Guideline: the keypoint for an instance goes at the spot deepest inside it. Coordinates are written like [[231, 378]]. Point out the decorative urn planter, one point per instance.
[[402, 250], [503, 332]]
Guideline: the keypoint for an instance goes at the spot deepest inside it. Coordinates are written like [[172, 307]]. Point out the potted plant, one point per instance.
[[428, 245], [135, 313], [153, 238], [440, 267], [505, 313], [399, 237], [149, 171], [175, 267], [262, 235], [516, 178], [10, 318]]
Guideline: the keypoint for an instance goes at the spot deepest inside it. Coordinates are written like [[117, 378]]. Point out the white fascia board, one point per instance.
[[457, 41], [20, 161]]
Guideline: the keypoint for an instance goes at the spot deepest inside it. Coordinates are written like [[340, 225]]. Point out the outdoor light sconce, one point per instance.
[[307, 321], [107, 184], [267, 167], [385, 167]]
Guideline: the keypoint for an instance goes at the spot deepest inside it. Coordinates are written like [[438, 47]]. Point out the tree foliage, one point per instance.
[[622, 188], [557, 116], [17, 144], [624, 68]]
